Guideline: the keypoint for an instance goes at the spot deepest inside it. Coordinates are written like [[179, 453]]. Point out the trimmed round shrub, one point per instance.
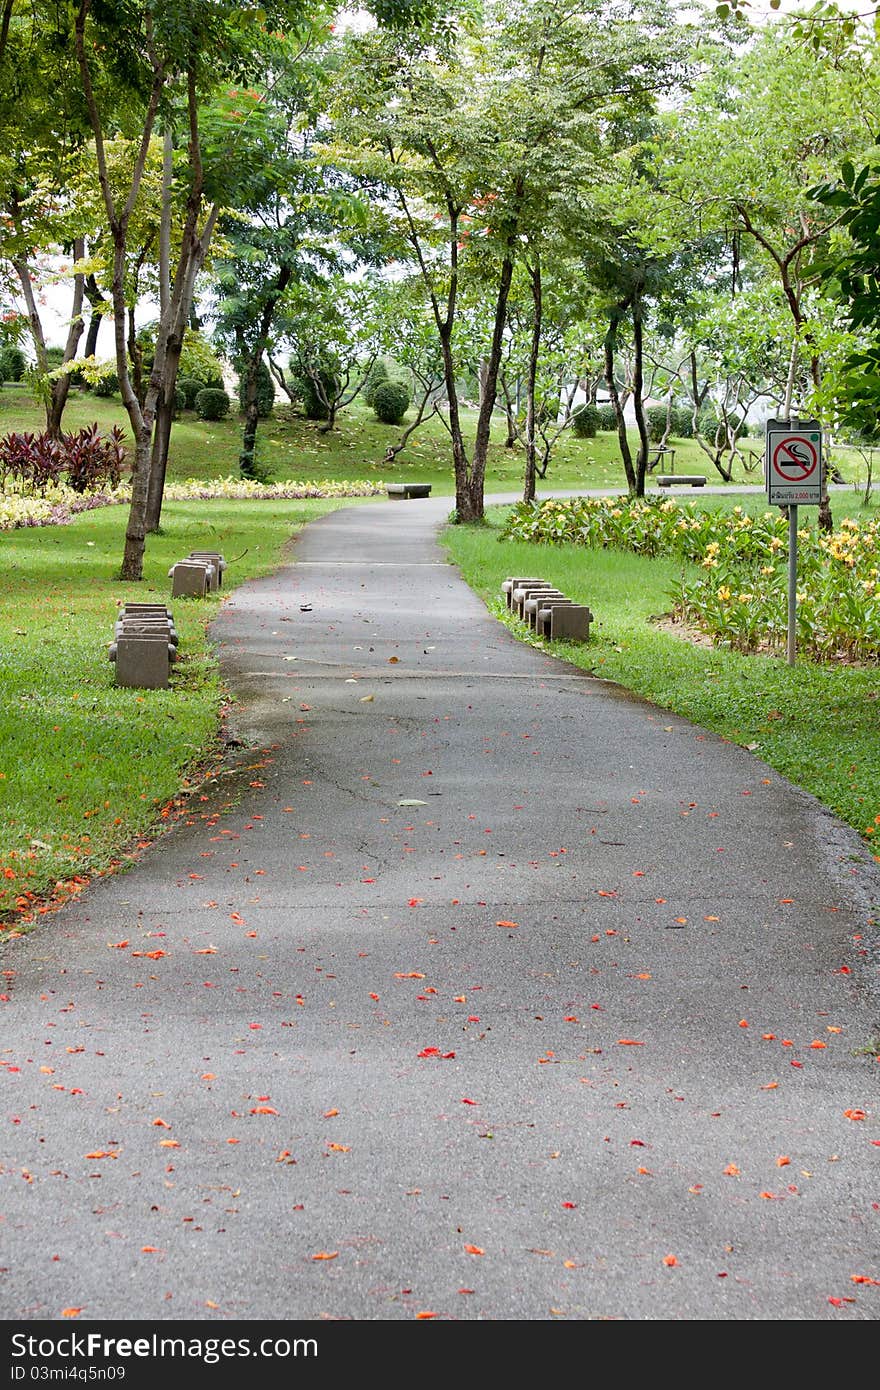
[[189, 387], [683, 422], [212, 403], [179, 401], [375, 377], [585, 421], [607, 418], [12, 363], [390, 402], [265, 391], [655, 416], [107, 386]]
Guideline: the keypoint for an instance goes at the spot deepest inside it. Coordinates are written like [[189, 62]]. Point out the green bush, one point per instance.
[[212, 403], [189, 387], [655, 416], [179, 401], [607, 418], [198, 361], [683, 422], [265, 391], [586, 420], [377, 374], [54, 357], [390, 402], [107, 386], [313, 407], [12, 363]]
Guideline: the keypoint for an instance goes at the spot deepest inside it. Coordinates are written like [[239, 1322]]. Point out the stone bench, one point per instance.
[[145, 646], [681, 480], [537, 599], [515, 582], [404, 492], [567, 622], [547, 610], [193, 578], [527, 590], [213, 557]]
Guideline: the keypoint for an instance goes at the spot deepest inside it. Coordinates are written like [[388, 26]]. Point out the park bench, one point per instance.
[[404, 492], [681, 480], [145, 645]]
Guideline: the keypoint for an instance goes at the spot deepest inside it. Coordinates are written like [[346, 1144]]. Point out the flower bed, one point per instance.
[[739, 595], [58, 505]]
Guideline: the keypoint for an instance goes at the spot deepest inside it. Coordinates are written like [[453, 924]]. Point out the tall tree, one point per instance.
[[479, 141], [173, 56]]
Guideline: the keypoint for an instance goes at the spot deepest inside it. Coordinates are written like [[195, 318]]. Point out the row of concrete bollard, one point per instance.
[[547, 610], [145, 646], [197, 575]]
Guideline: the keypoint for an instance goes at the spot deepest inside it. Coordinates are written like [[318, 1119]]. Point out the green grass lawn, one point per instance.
[[292, 447], [87, 766], [815, 724]]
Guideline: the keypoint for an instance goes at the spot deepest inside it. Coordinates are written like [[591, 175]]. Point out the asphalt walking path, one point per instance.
[[479, 988]]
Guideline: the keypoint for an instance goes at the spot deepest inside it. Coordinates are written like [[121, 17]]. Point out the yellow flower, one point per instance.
[[723, 593]]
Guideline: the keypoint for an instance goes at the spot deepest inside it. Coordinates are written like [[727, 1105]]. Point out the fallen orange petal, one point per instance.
[[326, 1255], [670, 1261], [474, 1250], [75, 1312]]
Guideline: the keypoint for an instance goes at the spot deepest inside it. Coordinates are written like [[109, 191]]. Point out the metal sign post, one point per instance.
[[793, 474]]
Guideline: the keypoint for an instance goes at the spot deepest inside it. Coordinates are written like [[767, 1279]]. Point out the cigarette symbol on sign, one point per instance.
[[795, 459]]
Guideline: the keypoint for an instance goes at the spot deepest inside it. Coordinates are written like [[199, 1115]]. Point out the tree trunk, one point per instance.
[[159, 461], [460, 462], [638, 403], [476, 481], [247, 457], [611, 383], [96, 300], [529, 484]]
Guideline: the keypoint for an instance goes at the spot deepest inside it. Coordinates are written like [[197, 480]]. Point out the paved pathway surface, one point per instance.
[[480, 988]]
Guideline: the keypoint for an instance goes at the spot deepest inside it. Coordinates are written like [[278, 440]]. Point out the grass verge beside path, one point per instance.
[[86, 767], [815, 724]]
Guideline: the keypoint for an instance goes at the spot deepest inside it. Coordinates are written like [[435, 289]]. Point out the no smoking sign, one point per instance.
[[793, 462]]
